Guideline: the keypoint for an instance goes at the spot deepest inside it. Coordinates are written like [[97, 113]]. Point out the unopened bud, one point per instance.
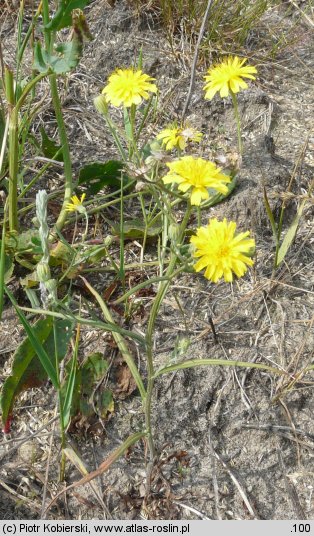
[[174, 232], [43, 272], [101, 104]]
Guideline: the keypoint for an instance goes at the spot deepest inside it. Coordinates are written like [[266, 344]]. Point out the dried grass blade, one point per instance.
[[104, 466]]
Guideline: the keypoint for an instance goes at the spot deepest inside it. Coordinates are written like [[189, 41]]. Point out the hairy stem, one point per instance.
[[163, 288], [238, 121], [68, 190]]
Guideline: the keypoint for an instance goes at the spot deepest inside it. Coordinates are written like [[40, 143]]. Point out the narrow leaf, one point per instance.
[[215, 362], [2, 260], [36, 344], [27, 369], [66, 407], [290, 235], [49, 147], [270, 216]]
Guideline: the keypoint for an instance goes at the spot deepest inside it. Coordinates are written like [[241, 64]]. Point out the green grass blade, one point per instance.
[[112, 327], [38, 347], [215, 362], [66, 407], [290, 235]]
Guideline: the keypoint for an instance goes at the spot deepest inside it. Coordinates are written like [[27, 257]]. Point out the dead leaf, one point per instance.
[[125, 384]]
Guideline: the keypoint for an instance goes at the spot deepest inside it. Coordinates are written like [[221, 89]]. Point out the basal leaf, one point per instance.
[[97, 175], [27, 370], [136, 229]]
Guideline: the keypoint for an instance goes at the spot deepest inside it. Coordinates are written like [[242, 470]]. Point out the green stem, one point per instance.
[[13, 169], [39, 174], [192, 363], [2, 258], [27, 37], [163, 288], [60, 403], [68, 190], [86, 227], [199, 216], [113, 129], [13, 138], [238, 121], [13, 148], [133, 152]]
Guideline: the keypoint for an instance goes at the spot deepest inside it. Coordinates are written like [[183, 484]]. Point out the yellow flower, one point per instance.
[[228, 76], [178, 137], [198, 174], [128, 86], [221, 252], [77, 204]]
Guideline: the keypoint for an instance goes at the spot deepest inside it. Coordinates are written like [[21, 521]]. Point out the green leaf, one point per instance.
[[136, 229], [68, 58], [290, 235], [28, 241], [49, 147], [69, 393], [63, 15], [97, 175], [215, 197], [8, 268], [192, 363], [61, 253], [34, 359], [127, 124], [35, 342], [88, 375]]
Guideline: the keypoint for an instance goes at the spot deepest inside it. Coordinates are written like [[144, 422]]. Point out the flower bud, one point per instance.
[[174, 232], [43, 271], [101, 104]]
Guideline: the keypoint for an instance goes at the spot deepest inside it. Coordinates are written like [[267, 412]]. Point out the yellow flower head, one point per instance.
[[128, 86], [175, 136], [221, 252], [198, 174], [228, 76], [77, 204]]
